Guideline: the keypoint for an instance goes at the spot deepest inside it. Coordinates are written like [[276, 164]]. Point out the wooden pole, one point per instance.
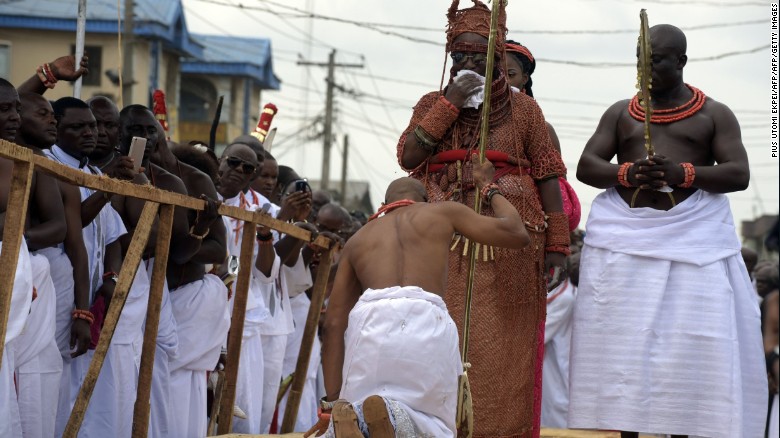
[[236, 329], [126, 277], [13, 232], [309, 332], [142, 400]]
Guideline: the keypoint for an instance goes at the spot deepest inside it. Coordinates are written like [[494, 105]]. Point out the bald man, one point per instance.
[[237, 168], [388, 338], [639, 348]]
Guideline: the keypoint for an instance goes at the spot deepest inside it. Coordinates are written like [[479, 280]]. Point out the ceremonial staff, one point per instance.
[[644, 81], [465, 414], [644, 77]]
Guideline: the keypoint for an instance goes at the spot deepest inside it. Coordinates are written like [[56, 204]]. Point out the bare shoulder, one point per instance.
[[718, 110], [197, 180], [617, 109], [166, 180]]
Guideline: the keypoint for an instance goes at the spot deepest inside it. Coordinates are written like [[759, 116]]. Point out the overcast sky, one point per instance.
[[397, 72]]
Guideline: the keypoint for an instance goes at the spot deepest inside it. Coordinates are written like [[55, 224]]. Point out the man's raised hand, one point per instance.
[[64, 67]]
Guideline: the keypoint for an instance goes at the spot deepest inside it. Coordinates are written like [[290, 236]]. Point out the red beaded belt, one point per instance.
[[503, 162]]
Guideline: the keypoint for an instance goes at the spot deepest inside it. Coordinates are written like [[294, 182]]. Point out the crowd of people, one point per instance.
[[74, 245], [651, 321]]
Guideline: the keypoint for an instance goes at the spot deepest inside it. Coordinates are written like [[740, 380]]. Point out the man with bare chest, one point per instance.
[[639, 351], [199, 302], [390, 349]]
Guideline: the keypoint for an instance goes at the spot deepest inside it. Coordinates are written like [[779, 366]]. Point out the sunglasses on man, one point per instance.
[[235, 163], [460, 58]]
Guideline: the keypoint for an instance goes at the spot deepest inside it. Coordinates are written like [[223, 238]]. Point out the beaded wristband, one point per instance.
[[488, 192], [86, 315], [690, 175], [109, 274], [49, 73], [622, 175], [41, 73]]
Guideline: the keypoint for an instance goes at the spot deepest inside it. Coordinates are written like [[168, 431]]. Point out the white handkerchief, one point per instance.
[[476, 99]]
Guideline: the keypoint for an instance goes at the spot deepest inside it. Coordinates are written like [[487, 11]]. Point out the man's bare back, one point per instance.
[[409, 246]]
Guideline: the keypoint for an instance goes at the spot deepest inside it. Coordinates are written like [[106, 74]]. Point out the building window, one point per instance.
[[5, 59], [95, 54]]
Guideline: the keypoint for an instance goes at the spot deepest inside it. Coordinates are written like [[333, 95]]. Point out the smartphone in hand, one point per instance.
[[137, 148]]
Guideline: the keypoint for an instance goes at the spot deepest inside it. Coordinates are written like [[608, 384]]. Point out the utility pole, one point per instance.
[[328, 135], [81, 26], [344, 157], [127, 54]]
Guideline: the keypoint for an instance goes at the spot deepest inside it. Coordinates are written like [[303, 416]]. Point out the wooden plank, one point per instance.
[[146, 192], [13, 233], [309, 332], [225, 420], [126, 277], [142, 400]]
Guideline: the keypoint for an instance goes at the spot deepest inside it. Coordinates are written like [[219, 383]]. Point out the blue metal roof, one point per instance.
[[154, 19], [234, 56]]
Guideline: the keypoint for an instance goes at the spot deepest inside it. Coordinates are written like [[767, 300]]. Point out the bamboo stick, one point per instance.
[[309, 332], [142, 400], [126, 277]]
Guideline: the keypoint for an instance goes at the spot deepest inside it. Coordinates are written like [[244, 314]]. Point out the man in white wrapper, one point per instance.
[[557, 343], [110, 409], [666, 336], [237, 168], [139, 121], [390, 349], [198, 301], [21, 300], [38, 360], [294, 279]]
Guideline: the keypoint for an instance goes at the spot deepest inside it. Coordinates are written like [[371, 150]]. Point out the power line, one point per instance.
[[702, 2], [634, 31], [380, 27]]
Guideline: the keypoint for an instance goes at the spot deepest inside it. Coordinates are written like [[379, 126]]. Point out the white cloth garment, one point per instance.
[[249, 383], [273, 344], [38, 361], [307, 410], [388, 330], [202, 321], [666, 334], [110, 410], [62, 278], [166, 349], [557, 341], [298, 279], [774, 426], [21, 299]]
